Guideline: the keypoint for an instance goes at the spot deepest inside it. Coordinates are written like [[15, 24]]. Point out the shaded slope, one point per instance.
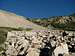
[[64, 22], [57, 22]]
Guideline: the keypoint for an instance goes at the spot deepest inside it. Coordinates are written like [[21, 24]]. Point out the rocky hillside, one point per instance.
[[57, 22], [64, 22], [12, 20]]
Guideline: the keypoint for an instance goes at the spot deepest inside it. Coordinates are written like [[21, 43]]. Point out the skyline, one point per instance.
[[39, 8]]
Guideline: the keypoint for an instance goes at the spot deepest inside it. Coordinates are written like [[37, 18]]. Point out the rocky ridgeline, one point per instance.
[[40, 43]]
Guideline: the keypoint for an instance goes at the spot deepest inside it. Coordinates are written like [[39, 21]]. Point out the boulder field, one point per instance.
[[40, 43]]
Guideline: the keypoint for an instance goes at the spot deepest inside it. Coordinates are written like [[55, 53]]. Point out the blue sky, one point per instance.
[[39, 8]]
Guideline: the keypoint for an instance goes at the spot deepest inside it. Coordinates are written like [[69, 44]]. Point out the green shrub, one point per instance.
[[28, 29], [3, 36]]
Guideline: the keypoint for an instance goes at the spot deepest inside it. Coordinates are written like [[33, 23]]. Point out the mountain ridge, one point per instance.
[[57, 22]]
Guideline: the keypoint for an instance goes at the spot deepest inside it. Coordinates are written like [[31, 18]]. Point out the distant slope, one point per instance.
[[8, 19], [57, 22], [73, 15], [64, 22]]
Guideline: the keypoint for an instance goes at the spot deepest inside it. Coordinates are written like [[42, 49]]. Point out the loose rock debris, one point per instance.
[[40, 43]]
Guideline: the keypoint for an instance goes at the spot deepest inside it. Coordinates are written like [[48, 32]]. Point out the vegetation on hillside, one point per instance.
[[57, 22]]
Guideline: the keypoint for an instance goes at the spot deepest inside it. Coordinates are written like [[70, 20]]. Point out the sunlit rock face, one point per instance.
[[40, 43]]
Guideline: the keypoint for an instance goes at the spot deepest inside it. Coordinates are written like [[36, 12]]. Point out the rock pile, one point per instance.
[[40, 43]]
